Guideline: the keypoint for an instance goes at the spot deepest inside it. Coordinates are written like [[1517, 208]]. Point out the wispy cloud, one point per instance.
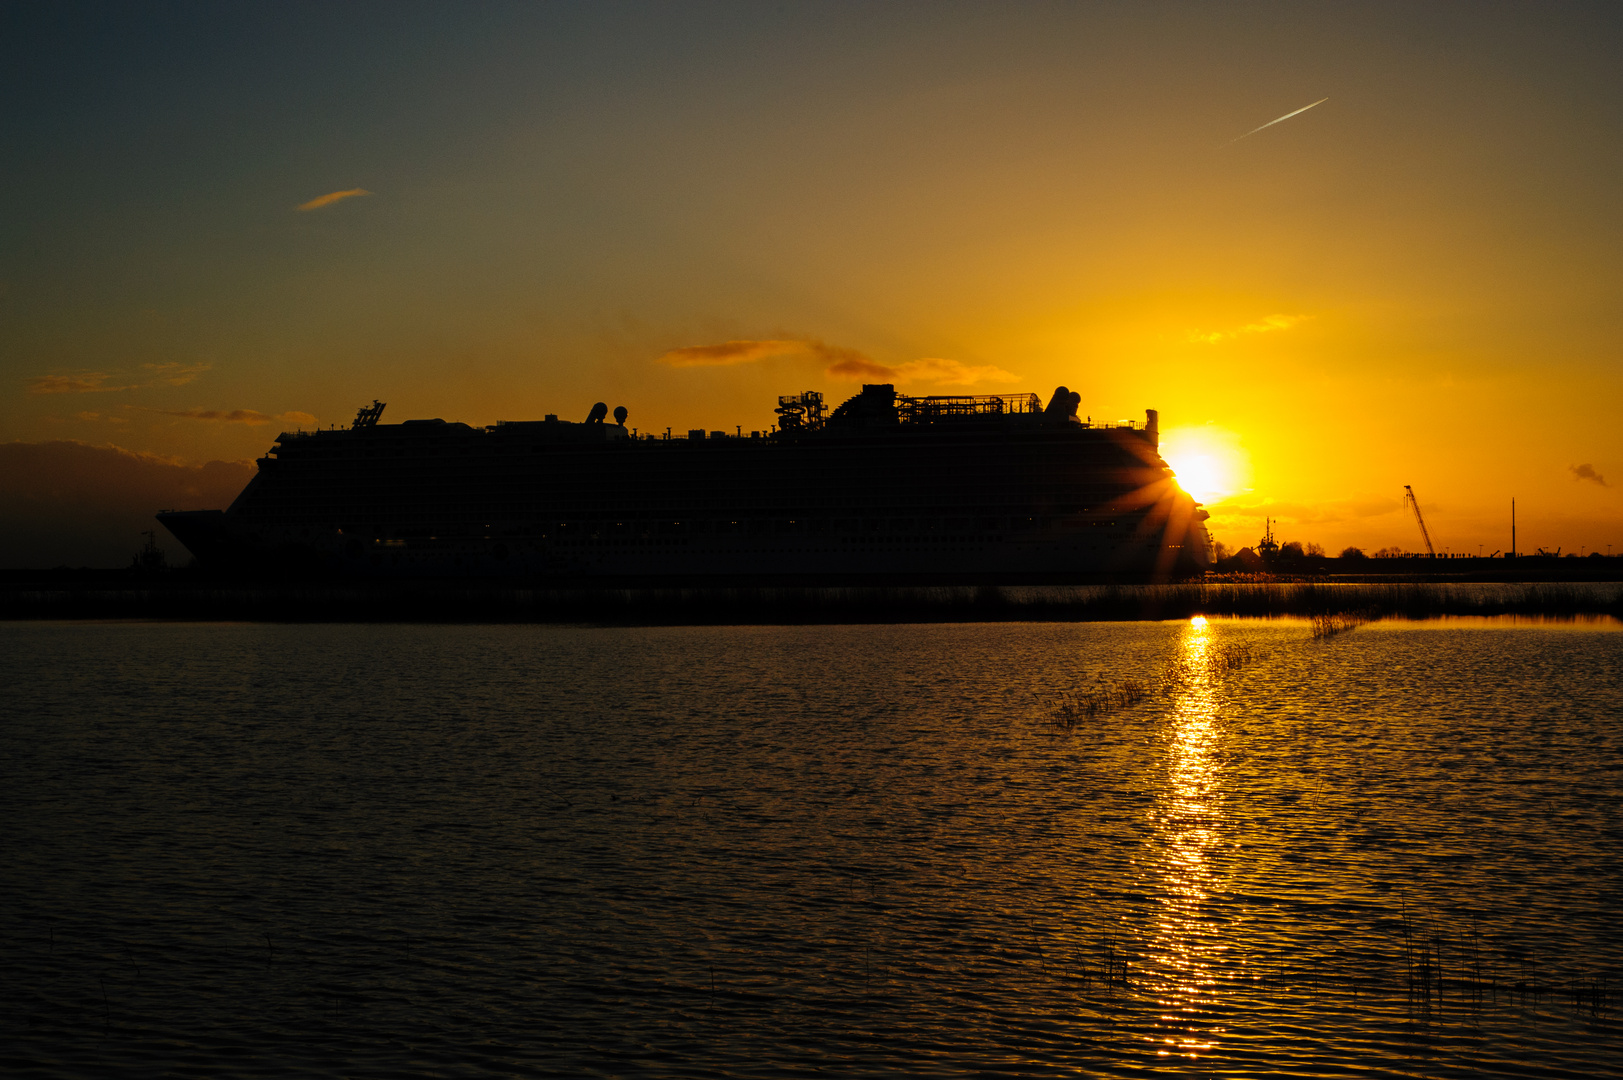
[[100, 382], [331, 197], [175, 374], [842, 363], [1262, 326], [89, 382], [1587, 471], [250, 417], [1278, 120], [930, 369], [729, 353]]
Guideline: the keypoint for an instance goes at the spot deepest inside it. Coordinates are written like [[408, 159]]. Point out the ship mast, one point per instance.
[[1267, 547]]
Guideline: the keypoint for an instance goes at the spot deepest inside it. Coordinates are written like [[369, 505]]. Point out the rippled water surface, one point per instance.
[[458, 850]]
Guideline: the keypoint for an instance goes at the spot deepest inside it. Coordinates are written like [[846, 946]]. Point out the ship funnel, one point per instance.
[[1062, 406], [599, 411], [620, 415]]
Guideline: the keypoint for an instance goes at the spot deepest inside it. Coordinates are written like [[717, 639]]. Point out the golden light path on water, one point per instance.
[[1184, 946]]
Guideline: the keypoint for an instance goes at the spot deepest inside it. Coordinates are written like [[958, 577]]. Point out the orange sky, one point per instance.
[[225, 224]]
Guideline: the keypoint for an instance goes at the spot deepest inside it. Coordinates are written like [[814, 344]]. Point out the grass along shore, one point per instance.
[[1332, 602]]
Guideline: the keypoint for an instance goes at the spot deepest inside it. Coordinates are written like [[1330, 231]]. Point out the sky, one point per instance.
[[229, 220]]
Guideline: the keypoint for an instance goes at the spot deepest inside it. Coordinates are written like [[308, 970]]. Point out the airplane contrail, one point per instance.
[[1271, 123]]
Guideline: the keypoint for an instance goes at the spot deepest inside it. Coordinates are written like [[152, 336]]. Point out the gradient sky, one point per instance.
[[1418, 281]]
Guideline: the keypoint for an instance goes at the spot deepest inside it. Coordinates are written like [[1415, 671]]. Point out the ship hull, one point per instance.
[[578, 501]]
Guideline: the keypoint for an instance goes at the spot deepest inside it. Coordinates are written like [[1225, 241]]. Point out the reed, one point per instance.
[[1227, 658], [468, 601], [1330, 624], [1422, 965], [1116, 973], [1591, 994], [1072, 707], [1104, 697]]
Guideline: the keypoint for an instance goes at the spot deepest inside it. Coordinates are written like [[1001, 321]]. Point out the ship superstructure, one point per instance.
[[886, 486]]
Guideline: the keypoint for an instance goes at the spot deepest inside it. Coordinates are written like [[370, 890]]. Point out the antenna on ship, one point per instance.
[[368, 417], [1267, 547]]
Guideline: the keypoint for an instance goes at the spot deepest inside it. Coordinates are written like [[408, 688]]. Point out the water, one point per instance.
[[463, 850]]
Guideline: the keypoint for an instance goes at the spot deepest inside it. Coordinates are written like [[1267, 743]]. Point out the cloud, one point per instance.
[[70, 503], [234, 416], [857, 368], [331, 197], [1587, 471], [929, 369], [95, 382], [251, 417], [1280, 120], [1262, 326], [729, 353], [176, 374], [90, 382], [843, 363]]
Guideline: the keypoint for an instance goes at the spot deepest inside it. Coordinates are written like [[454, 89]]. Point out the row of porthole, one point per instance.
[[500, 551], [397, 557], [644, 541]]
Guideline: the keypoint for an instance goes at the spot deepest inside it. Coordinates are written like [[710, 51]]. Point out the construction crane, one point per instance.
[[1414, 504]]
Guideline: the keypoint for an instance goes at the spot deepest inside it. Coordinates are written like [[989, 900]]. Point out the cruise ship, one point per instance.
[[884, 488]]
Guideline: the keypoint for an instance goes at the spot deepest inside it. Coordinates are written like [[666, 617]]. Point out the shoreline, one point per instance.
[[117, 595]]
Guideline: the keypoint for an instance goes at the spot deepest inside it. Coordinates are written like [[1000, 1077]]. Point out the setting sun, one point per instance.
[[1209, 462]]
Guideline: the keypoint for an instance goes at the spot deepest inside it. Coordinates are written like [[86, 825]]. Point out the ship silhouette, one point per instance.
[[885, 487]]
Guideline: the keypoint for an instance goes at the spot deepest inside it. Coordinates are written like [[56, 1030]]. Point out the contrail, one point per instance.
[[1271, 123]]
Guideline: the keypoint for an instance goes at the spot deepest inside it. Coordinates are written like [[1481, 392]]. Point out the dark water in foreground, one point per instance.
[[459, 850]]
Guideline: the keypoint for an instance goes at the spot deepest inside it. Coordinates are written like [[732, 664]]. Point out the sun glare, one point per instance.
[[1208, 460]]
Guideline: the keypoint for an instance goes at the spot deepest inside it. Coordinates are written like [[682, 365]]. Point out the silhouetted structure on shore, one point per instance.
[[199, 596]]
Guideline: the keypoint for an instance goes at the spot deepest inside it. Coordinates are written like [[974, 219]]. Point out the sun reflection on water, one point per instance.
[[1184, 945]]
